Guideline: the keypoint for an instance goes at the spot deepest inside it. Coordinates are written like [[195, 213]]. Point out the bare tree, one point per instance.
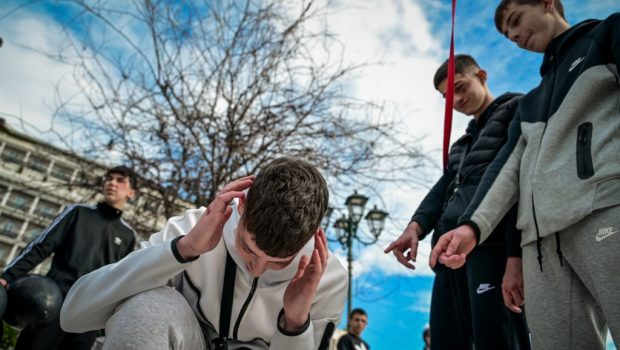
[[194, 94]]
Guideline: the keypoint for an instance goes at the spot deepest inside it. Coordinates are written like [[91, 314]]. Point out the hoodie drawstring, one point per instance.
[[557, 247], [538, 240]]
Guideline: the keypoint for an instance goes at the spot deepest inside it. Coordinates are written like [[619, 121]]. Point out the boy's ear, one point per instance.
[[549, 5], [241, 205], [482, 75]]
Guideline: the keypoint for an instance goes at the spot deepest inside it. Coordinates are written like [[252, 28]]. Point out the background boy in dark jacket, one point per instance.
[[467, 305], [562, 163], [82, 239], [358, 320]]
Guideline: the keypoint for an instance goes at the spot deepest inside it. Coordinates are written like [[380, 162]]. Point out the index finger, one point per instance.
[[391, 247], [320, 244], [239, 184], [222, 201], [440, 247]]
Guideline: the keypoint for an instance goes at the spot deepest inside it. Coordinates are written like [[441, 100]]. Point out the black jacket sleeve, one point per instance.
[[490, 175], [431, 208], [41, 246]]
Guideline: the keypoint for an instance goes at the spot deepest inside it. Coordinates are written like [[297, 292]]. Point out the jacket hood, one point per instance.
[[563, 42]]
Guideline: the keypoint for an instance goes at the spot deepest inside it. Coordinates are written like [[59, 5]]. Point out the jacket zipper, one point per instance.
[[539, 149], [244, 307], [533, 205]]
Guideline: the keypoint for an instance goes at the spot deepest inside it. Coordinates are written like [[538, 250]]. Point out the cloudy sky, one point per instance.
[[405, 40]]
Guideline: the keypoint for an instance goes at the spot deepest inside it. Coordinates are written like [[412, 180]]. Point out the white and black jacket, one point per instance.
[[257, 302]]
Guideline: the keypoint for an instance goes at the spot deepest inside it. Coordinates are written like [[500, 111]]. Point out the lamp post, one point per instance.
[[345, 229]]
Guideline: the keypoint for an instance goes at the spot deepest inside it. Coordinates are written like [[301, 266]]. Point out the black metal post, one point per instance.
[[350, 228]]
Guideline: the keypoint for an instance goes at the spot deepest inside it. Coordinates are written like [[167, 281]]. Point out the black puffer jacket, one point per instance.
[[469, 158]]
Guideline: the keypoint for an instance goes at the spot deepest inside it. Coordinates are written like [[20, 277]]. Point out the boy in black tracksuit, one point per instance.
[[82, 238], [467, 305], [358, 320], [562, 163]]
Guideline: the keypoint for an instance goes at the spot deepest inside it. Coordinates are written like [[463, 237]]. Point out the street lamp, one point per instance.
[[345, 229]]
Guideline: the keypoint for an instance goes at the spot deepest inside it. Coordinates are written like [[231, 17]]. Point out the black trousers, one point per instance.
[[49, 336], [467, 307]]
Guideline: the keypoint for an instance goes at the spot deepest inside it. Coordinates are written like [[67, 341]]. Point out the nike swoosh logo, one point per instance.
[[485, 289], [576, 63], [600, 237]]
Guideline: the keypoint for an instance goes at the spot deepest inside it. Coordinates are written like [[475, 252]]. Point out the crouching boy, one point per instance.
[[247, 272]]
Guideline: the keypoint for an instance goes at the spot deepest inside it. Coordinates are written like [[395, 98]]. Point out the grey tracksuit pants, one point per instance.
[[571, 306], [156, 319]]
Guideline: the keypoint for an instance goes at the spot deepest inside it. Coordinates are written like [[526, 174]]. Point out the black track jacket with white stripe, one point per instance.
[[83, 238], [562, 158]]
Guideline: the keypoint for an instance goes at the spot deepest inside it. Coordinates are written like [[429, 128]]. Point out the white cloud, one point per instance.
[[40, 81], [420, 300], [394, 39], [397, 36], [371, 259], [29, 77]]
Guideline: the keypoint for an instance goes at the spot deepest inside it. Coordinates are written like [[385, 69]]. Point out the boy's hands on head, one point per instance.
[[453, 247], [205, 235], [405, 248], [300, 291]]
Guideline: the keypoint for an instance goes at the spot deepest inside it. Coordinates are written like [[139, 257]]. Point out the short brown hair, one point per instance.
[[125, 172], [461, 64], [285, 205], [503, 5], [357, 311]]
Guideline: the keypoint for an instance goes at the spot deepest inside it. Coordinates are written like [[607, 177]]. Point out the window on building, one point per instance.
[[38, 163], [12, 155], [32, 231], [19, 200], [61, 172], [5, 251], [47, 209], [3, 192], [88, 178], [9, 226]]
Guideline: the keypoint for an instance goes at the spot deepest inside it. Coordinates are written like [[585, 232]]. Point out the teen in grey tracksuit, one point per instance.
[[562, 163]]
